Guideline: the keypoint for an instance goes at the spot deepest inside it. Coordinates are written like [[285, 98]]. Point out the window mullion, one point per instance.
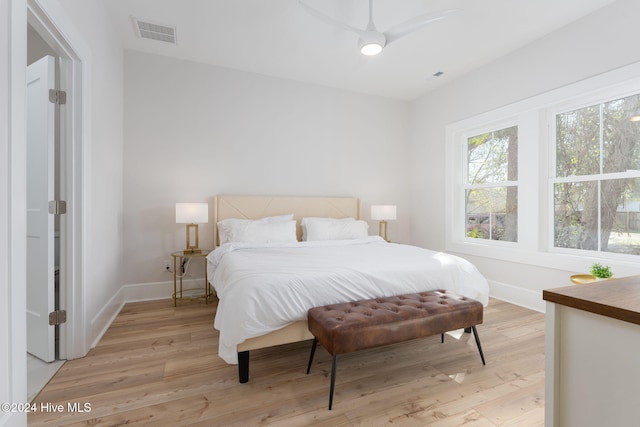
[[599, 230], [491, 185], [601, 149]]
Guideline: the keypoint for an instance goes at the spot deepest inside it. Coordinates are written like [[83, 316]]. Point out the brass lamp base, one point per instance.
[[383, 230], [192, 231]]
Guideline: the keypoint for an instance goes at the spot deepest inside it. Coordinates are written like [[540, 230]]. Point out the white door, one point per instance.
[[40, 224]]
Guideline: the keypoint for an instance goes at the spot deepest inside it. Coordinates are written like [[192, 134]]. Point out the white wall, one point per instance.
[[595, 44], [103, 163], [13, 372], [193, 131]]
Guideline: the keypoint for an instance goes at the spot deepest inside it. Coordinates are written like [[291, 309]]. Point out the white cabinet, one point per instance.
[[592, 367]]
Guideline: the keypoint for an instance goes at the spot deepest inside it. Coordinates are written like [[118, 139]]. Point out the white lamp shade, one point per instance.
[[192, 213], [383, 212]]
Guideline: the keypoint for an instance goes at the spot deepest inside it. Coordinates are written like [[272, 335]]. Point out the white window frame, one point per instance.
[[535, 120], [461, 230], [596, 98], [457, 136]]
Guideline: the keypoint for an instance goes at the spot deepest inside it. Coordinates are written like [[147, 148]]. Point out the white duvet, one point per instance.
[[264, 287]]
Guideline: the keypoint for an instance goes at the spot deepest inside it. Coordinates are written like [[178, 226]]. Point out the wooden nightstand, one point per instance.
[[178, 258]]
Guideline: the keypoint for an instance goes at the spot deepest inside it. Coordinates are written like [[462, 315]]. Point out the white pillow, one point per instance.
[[265, 232], [308, 220], [337, 230], [277, 218], [227, 227]]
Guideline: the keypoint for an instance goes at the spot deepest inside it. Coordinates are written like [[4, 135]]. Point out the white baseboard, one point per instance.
[[134, 293], [101, 322], [148, 291], [517, 295], [164, 290], [156, 290]]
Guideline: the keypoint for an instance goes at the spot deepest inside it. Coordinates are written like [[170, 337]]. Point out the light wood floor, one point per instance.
[[158, 365]]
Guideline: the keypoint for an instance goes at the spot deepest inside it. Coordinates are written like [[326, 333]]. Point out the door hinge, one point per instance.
[[57, 317], [57, 207], [58, 97]]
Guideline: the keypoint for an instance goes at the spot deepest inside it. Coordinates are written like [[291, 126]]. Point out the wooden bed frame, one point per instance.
[[255, 207]]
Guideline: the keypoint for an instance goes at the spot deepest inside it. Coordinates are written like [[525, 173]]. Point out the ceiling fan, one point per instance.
[[371, 41]]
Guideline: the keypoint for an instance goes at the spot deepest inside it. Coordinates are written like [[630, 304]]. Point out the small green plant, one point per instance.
[[475, 233], [601, 271]]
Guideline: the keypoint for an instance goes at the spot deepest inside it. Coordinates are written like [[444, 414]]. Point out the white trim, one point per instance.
[[148, 291], [157, 290], [103, 320], [14, 389], [52, 23], [552, 339], [517, 295]]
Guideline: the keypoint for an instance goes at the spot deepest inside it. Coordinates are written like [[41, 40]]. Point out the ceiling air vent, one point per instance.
[[155, 31]]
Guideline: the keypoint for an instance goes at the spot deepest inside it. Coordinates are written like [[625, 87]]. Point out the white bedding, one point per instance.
[[264, 287]]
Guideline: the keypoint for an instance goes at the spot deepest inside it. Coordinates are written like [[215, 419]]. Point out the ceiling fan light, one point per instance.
[[371, 49]]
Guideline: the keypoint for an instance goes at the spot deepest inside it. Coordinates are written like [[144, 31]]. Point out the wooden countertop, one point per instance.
[[617, 298]]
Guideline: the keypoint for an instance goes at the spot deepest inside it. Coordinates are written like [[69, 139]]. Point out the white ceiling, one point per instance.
[[278, 38]]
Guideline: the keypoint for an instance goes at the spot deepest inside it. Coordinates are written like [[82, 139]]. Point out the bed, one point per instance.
[[265, 287]]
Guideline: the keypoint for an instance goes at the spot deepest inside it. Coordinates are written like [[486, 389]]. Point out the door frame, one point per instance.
[[50, 21]]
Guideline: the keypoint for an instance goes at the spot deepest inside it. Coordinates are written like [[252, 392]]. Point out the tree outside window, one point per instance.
[[596, 184], [491, 190]]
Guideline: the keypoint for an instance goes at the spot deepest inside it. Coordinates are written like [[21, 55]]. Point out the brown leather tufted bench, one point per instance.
[[343, 328]]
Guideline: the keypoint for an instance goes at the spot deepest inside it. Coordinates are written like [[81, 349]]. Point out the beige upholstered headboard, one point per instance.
[[255, 207]]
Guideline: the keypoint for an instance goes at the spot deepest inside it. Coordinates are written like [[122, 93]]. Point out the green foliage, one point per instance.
[[475, 233], [593, 142], [492, 170], [601, 271]]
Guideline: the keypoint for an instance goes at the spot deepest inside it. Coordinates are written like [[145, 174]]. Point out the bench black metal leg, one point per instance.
[[243, 366], [475, 334], [441, 338], [313, 351], [333, 380]]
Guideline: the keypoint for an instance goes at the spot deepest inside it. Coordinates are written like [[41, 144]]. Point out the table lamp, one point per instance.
[[383, 213], [192, 214]]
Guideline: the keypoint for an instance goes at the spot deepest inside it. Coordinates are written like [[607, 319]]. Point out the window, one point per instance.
[[552, 180], [491, 187], [596, 177]]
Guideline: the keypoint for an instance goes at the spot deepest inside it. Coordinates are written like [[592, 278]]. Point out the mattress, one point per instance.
[[265, 287]]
